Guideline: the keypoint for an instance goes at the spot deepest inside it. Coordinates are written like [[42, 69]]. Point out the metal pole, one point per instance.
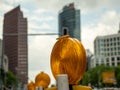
[[30, 34], [62, 82], [2, 68], [39, 88]]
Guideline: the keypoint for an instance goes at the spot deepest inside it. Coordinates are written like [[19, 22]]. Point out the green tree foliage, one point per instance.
[[10, 79], [117, 75], [94, 76]]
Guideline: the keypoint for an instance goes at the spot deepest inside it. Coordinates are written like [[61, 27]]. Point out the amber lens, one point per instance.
[[68, 57], [42, 79]]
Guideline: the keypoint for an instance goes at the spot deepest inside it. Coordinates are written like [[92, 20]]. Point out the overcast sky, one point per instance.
[[98, 17]]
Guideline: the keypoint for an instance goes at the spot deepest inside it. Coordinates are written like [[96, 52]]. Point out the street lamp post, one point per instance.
[[2, 67]]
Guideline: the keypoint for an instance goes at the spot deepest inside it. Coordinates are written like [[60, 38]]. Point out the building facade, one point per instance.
[[69, 18], [89, 56], [107, 50], [15, 43]]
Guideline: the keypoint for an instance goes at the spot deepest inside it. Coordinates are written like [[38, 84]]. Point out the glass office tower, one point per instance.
[[15, 44], [69, 18]]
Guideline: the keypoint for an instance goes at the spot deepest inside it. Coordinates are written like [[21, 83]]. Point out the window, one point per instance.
[[114, 39], [102, 60], [113, 64], [118, 58], [118, 43], [104, 49], [104, 40], [114, 43], [107, 59], [118, 53], [105, 54], [111, 54], [107, 64], [97, 64], [111, 44], [112, 58], [118, 48], [118, 38], [111, 49], [118, 63], [111, 39]]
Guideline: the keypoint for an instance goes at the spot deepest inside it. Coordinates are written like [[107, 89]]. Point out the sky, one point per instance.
[[98, 18]]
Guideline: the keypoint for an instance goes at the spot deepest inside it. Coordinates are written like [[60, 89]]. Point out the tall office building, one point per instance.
[[15, 43], [69, 21], [107, 50]]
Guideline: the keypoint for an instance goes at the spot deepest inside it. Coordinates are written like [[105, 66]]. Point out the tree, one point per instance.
[[94, 76], [11, 79], [117, 75]]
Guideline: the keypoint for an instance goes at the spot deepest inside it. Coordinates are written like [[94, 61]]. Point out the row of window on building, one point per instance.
[[107, 50]]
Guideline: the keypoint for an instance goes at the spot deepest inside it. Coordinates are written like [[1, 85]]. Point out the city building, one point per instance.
[[107, 50], [69, 21], [15, 43], [92, 62], [89, 56]]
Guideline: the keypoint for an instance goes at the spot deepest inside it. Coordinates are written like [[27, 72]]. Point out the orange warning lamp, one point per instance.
[[68, 57], [31, 86], [42, 79]]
